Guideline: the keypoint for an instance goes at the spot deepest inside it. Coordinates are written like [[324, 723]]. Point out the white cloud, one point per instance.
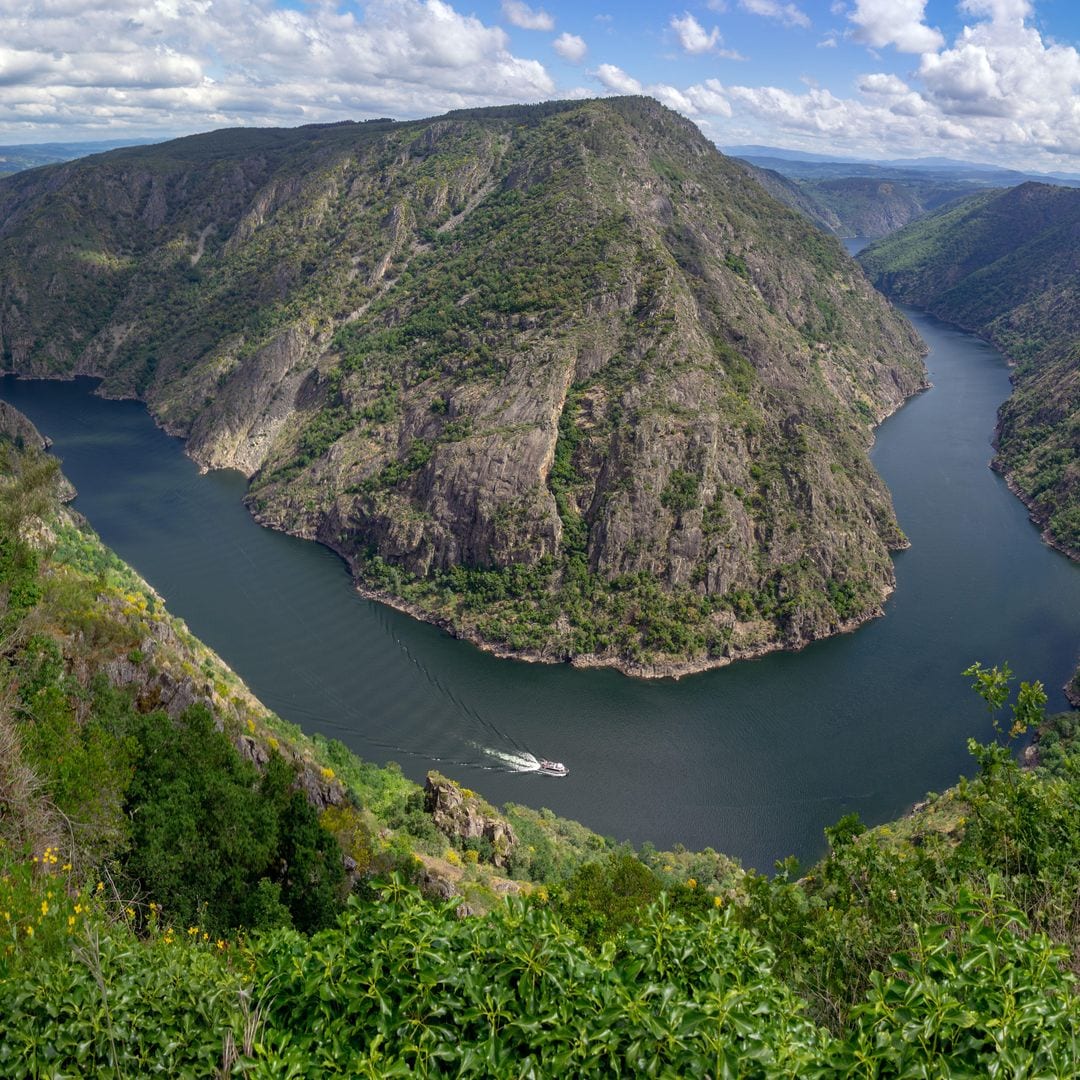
[[708, 98], [896, 22], [692, 36], [137, 66], [1000, 11], [884, 84], [614, 78], [1004, 69], [570, 47], [525, 17], [788, 14]]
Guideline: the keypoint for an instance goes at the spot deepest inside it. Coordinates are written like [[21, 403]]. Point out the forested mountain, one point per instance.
[[1006, 264], [562, 378], [861, 205]]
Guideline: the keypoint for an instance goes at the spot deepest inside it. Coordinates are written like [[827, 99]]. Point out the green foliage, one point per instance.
[[680, 493], [206, 828], [675, 998], [995, 1000]]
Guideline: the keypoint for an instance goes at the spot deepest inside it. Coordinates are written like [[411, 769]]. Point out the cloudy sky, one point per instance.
[[985, 80]]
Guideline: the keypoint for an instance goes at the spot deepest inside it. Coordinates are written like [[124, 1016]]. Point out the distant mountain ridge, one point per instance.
[[561, 378], [802, 163], [16, 157], [1006, 264]]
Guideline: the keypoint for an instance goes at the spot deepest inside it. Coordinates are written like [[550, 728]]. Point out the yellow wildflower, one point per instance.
[[44, 907]]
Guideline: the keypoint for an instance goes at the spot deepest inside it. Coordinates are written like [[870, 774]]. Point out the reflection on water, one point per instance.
[[753, 759]]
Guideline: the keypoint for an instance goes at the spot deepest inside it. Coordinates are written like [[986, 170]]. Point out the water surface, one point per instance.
[[754, 759]]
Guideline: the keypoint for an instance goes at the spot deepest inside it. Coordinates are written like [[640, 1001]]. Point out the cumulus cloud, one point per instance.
[[570, 47], [1000, 92], [691, 34], [187, 64], [525, 17], [897, 22], [1004, 69], [884, 84], [614, 78], [788, 14], [1000, 11]]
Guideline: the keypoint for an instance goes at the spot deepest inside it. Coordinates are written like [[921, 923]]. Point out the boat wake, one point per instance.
[[521, 761]]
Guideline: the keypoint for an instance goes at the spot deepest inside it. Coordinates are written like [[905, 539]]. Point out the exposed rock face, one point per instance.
[[19, 429], [460, 815], [561, 378]]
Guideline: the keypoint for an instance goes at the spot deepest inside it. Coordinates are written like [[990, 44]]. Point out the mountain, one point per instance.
[[21, 156], [861, 205], [798, 164], [756, 150], [561, 378], [1006, 265]]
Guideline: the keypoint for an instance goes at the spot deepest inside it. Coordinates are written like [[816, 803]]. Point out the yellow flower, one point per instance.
[[66, 866], [44, 907], [101, 886], [71, 920], [29, 931], [220, 943], [130, 912], [691, 883], [192, 931], [328, 773], [718, 901], [78, 909]]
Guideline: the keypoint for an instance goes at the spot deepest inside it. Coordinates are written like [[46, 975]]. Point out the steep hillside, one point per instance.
[[1007, 266], [561, 378], [190, 888], [861, 206]]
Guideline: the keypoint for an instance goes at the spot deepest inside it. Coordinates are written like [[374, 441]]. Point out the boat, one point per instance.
[[553, 768]]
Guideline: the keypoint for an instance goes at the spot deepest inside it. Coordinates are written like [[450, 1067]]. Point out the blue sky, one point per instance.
[[995, 80]]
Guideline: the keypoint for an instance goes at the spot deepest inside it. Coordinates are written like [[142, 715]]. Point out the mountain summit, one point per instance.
[[562, 378]]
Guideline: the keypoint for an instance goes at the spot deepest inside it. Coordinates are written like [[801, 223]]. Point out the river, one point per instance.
[[754, 759]]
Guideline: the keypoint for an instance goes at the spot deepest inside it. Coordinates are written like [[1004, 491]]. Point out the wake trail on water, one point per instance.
[[433, 681], [522, 762]]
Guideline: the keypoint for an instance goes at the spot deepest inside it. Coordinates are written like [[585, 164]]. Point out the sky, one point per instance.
[[980, 80]]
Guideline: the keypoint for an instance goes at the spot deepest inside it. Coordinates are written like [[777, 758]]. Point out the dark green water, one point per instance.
[[753, 759]]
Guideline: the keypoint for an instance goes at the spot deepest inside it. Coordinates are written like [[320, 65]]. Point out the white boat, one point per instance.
[[553, 768]]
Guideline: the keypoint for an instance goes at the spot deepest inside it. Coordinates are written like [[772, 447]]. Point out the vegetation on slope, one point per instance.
[[561, 377], [871, 206], [131, 941], [1005, 265]]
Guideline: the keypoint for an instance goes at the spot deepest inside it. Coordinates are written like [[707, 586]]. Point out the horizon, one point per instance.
[[870, 80]]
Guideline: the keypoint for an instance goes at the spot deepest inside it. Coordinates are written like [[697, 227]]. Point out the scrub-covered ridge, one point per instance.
[[562, 378], [190, 887]]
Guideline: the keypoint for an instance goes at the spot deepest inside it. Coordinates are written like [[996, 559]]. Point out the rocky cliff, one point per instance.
[[562, 378]]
